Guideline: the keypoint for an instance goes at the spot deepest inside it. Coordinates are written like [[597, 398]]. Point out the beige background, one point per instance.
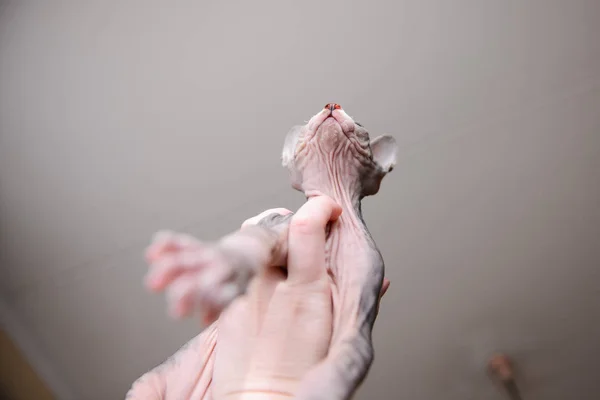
[[118, 118]]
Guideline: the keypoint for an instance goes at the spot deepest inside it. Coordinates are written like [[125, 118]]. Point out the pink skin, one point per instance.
[[208, 277], [340, 116], [176, 256]]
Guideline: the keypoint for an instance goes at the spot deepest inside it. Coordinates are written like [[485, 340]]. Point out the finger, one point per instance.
[[165, 242], [306, 239], [188, 294], [170, 267], [254, 220], [180, 295], [384, 288], [162, 241]]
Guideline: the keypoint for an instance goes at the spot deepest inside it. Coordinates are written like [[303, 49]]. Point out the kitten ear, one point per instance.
[[289, 145], [384, 150]]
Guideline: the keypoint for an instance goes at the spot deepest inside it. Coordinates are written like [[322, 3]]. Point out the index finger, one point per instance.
[[306, 239]]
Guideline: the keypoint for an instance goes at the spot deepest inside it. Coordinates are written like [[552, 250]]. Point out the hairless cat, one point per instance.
[[330, 155]]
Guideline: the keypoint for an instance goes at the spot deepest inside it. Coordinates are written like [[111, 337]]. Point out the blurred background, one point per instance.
[[119, 118]]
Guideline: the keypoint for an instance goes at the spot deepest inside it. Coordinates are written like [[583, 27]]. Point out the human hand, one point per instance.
[[268, 339], [271, 337]]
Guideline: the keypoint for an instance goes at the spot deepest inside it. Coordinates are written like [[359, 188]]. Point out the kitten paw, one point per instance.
[[196, 276]]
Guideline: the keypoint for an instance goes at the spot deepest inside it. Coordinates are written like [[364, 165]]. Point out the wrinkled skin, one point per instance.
[[331, 155]]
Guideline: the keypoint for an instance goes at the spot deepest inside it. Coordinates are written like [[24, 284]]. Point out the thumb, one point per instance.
[[306, 239]]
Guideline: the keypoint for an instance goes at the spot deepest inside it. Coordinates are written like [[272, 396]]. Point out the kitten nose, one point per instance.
[[333, 106]]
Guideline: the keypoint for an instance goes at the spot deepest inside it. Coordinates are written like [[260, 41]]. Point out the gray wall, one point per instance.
[[115, 119]]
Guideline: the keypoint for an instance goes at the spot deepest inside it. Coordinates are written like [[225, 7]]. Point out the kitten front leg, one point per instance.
[[209, 276]]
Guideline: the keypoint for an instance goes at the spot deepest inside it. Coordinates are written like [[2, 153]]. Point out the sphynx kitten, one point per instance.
[[331, 155]]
